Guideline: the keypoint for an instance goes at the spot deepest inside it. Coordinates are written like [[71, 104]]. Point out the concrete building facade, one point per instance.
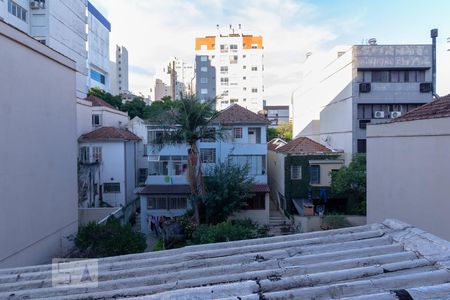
[[38, 207], [277, 114], [230, 67], [119, 72], [98, 49], [408, 168], [363, 84]]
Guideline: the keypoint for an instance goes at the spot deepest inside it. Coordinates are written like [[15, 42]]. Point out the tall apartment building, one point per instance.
[[119, 72], [359, 85], [174, 79], [98, 49], [229, 67]]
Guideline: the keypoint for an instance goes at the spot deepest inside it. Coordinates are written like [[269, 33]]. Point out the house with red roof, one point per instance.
[[299, 175], [166, 189]]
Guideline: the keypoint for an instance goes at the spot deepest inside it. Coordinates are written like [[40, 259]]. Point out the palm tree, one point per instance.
[[187, 122]]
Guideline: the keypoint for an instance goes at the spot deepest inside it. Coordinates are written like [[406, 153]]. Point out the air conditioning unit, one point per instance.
[[378, 114], [395, 114], [35, 5], [426, 87], [364, 87]]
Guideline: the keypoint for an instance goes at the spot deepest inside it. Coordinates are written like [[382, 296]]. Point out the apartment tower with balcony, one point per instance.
[[229, 68]]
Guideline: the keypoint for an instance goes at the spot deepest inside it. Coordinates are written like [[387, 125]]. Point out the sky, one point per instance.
[[153, 31]]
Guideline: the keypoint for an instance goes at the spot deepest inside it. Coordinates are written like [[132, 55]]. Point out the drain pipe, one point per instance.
[[434, 35]]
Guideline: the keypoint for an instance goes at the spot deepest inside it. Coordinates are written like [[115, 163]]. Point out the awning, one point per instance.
[[260, 188], [176, 189]]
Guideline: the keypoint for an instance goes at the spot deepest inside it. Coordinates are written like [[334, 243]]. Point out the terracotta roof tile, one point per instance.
[[236, 114], [275, 143], [439, 108], [302, 145], [109, 133], [96, 101]]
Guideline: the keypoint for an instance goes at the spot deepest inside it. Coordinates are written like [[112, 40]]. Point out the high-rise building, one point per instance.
[[119, 72], [229, 68], [353, 86], [98, 49]]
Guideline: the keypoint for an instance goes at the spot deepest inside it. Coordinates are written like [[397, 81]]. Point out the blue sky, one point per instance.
[[155, 30]]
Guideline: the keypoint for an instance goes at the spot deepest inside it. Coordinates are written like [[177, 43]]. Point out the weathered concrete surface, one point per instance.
[[366, 262]]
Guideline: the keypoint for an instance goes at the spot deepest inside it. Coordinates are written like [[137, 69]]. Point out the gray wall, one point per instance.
[[38, 183], [408, 172], [210, 74]]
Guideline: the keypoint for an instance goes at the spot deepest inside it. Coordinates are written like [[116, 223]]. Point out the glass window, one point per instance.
[[84, 154], [233, 47], [224, 69], [361, 146], [208, 155], [254, 90], [97, 153], [256, 163], [315, 174], [254, 68], [223, 48], [296, 172], [111, 187], [204, 91], [257, 202], [233, 59], [224, 81], [204, 58], [98, 77], [237, 133], [96, 120], [17, 10], [421, 76], [380, 76], [204, 69], [203, 80]]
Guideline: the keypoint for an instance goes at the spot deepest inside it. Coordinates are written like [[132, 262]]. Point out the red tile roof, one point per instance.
[[439, 108], [165, 189], [260, 188], [109, 133], [96, 101], [236, 114], [302, 145]]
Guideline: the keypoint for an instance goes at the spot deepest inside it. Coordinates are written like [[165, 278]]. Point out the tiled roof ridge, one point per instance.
[[109, 133], [309, 146], [438, 108]]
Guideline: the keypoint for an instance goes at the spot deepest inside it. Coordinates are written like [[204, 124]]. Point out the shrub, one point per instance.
[[227, 231], [94, 240], [335, 222]]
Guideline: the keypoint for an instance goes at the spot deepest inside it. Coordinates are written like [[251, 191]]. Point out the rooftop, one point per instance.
[[389, 260], [109, 134], [302, 145], [96, 101], [236, 114], [275, 143], [439, 108]]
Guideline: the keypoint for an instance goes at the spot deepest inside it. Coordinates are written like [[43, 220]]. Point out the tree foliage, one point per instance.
[[115, 101], [135, 108], [109, 239], [350, 182], [283, 131], [228, 189], [158, 109]]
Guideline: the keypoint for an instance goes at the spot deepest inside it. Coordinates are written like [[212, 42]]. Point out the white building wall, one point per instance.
[[408, 173], [98, 52], [276, 174], [38, 184], [14, 20], [112, 169]]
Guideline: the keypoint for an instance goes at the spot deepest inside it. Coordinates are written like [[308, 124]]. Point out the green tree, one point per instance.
[[115, 101], [158, 108], [188, 122], [135, 108], [350, 183], [283, 131], [110, 239], [228, 187]]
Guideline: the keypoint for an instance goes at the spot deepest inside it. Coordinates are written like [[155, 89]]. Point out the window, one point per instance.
[[204, 91], [254, 90], [155, 136], [233, 59], [17, 10], [393, 76], [204, 58], [84, 154], [203, 80], [296, 172], [244, 78], [361, 146], [237, 133], [166, 202], [254, 46], [97, 154], [224, 81], [380, 76], [233, 47], [244, 88], [363, 123], [208, 155], [204, 69], [244, 67], [96, 120], [224, 69], [111, 187], [98, 77], [254, 68], [223, 48], [209, 135], [234, 101], [315, 174]]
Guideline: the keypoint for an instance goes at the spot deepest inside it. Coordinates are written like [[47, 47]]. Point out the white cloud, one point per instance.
[[153, 31]]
